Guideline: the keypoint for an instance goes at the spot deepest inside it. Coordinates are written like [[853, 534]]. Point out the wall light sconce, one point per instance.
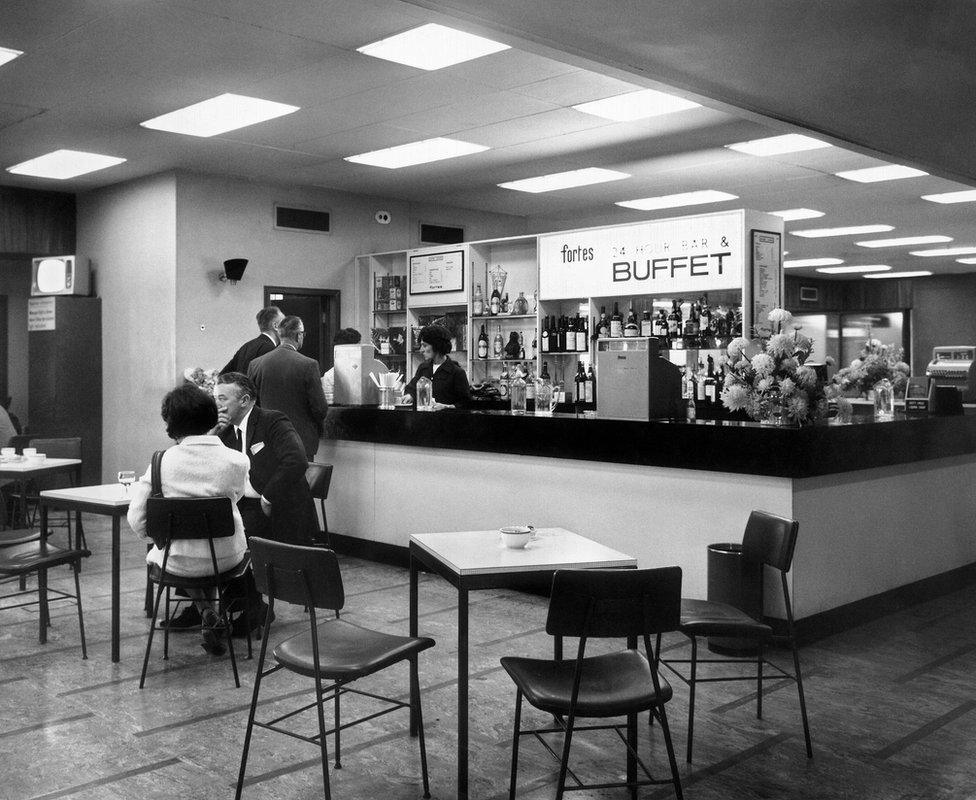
[[233, 269]]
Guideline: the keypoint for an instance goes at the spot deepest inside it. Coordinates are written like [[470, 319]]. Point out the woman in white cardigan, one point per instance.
[[198, 465]]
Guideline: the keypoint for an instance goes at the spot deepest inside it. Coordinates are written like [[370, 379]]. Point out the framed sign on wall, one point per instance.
[[767, 274], [436, 272]]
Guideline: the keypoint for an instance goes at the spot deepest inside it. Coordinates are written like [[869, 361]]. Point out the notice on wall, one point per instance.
[[766, 274], [437, 272], [694, 254], [40, 314]]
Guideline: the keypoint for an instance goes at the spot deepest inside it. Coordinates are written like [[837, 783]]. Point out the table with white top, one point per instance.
[[471, 560], [23, 468], [109, 499]]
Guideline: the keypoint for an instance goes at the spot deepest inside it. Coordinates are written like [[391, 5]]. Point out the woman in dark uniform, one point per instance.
[[448, 379]]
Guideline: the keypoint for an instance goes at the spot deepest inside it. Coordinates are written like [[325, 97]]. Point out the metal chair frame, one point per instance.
[[319, 478]]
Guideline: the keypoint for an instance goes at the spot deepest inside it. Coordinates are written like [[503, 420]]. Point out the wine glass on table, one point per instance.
[[127, 477]]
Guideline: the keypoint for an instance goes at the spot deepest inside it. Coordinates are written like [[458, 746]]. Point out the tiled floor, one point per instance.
[[892, 708]]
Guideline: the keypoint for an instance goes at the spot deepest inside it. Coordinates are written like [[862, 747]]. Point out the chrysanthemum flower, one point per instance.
[[736, 346], [763, 363], [780, 345], [787, 386], [735, 396]]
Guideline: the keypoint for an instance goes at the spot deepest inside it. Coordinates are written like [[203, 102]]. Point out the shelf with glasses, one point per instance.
[[500, 317]]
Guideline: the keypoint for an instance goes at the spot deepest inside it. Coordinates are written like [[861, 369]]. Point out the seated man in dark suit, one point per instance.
[[267, 340]]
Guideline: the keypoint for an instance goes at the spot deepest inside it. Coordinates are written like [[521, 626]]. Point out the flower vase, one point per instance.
[[772, 411]]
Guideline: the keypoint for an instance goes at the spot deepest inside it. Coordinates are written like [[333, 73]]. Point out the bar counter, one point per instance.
[[885, 508]]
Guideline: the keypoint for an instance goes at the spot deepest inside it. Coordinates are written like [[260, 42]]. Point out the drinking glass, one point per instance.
[[127, 477]]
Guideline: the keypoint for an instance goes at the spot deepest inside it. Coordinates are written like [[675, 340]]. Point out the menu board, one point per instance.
[[437, 272], [766, 274]]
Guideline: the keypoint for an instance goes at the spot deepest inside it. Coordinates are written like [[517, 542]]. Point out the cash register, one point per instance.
[[950, 365]]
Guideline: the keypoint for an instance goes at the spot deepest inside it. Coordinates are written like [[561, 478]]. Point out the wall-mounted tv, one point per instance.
[[60, 275]]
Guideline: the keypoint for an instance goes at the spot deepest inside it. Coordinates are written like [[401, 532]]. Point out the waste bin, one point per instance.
[[735, 581]]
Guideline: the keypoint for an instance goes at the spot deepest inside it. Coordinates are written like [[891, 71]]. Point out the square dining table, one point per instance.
[[23, 468], [110, 500], [471, 560]]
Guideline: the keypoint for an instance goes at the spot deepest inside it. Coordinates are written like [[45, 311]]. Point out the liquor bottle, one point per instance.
[[647, 325], [521, 345], [661, 329], [478, 302], [705, 322], [580, 383], [711, 384], [534, 346], [674, 326], [545, 335], [700, 383], [483, 343], [503, 381], [616, 323], [497, 344], [544, 375], [603, 331], [516, 394], [691, 327], [582, 345], [543, 393], [720, 328], [631, 328], [590, 391], [495, 304], [521, 305], [561, 335], [505, 303], [529, 373]]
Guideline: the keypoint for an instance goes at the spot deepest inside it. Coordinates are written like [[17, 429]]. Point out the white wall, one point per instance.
[[129, 232]]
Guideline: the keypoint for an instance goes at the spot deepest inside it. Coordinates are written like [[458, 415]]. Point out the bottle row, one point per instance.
[[520, 387], [497, 348], [701, 388], [498, 304], [688, 325]]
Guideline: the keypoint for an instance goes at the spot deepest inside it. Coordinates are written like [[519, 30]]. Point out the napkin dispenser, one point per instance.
[[353, 386]]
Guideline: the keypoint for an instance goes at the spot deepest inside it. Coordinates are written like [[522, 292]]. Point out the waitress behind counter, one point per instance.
[[449, 382]]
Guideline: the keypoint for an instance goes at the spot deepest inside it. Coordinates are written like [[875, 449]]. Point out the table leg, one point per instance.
[[462, 779], [116, 567], [414, 626]]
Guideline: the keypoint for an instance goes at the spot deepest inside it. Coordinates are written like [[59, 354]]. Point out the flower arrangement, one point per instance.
[[766, 376], [874, 362], [204, 379]]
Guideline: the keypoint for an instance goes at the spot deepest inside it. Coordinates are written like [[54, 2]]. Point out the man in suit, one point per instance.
[[267, 340], [289, 382]]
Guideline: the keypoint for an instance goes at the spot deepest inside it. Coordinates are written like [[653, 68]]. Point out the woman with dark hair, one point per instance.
[[448, 379], [198, 465]]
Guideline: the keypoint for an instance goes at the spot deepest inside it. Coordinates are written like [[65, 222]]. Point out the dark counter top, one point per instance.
[[746, 448]]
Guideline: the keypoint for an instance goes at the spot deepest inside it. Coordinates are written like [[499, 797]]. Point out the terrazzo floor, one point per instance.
[[892, 707]]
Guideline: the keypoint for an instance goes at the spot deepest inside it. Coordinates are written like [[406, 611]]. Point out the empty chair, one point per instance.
[[169, 519], [319, 478], [333, 652], [23, 553], [769, 540], [618, 604]]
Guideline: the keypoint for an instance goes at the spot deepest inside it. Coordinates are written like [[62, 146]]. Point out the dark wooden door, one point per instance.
[[319, 311]]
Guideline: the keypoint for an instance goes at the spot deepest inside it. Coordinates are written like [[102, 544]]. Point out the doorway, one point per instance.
[[319, 311]]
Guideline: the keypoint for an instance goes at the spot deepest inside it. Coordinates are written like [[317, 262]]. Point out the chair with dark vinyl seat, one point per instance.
[[319, 478], [769, 540], [23, 553], [588, 604], [169, 519], [333, 651]]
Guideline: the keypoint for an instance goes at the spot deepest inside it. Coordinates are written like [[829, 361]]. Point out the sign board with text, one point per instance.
[[40, 314], [694, 255]]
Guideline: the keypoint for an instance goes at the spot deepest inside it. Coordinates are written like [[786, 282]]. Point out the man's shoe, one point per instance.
[[256, 616], [188, 618], [213, 634]]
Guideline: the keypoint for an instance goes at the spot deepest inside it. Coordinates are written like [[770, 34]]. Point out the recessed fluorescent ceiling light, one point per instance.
[[965, 196], [777, 145], [677, 200], [565, 180], [62, 164], [406, 155], [226, 112], [966, 260], [889, 172], [432, 46], [944, 251], [854, 230], [641, 104], [921, 273], [811, 262], [6, 54], [791, 214], [851, 268], [907, 240]]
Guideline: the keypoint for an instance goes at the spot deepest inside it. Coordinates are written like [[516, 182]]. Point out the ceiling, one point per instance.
[[93, 69]]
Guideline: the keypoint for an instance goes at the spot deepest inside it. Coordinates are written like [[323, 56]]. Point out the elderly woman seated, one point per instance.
[[198, 465]]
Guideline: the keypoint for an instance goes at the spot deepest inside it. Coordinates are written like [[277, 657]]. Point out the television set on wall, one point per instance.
[[52, 275]]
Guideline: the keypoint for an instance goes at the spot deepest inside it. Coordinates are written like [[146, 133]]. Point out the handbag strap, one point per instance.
[[157, 482]]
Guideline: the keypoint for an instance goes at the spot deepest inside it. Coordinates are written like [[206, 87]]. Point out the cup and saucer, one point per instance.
[[516, 537]]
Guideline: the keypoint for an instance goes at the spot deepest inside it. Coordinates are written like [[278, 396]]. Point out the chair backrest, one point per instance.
[[610, 603], [171, 518], [67, 447], [297, 574], [770, 539], [319, 478]]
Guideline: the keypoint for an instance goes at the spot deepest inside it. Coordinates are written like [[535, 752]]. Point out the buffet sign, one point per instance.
[[695, 254], [437, 272]]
